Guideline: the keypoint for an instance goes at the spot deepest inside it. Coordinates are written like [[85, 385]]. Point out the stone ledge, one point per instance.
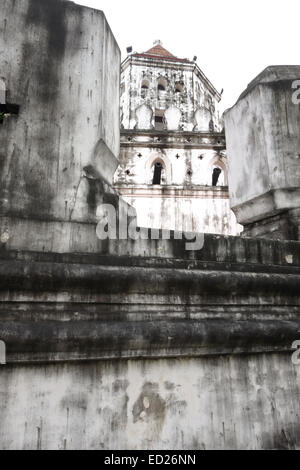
[[69, 341], [88, 278], [59, 311], [273, 74], [242, 252]]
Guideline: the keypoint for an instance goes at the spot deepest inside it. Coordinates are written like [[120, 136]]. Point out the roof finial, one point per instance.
[[157, 42]]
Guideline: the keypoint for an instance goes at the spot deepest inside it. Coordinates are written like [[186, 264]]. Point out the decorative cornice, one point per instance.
[[173, 139], [169, 62], [172, 191]]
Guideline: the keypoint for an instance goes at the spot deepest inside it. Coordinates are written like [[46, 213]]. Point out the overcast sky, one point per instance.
[[234, 40]]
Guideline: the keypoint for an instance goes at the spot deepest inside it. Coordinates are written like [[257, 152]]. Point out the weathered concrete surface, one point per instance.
[[235, 295], [61, 65], [110, 343], [262, 132], [192, 321], [240, 402]]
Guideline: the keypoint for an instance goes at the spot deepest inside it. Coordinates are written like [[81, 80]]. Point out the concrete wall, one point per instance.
[[262, 131], [133, 343], [214, 327], [246, 402], [60, 65]]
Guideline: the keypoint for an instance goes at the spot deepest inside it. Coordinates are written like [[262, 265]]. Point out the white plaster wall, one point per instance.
[[232, 402], [184, 211], [195, 94], [137, 160], [185, 200]]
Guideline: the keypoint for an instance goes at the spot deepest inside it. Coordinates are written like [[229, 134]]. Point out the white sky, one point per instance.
[[234, 40]]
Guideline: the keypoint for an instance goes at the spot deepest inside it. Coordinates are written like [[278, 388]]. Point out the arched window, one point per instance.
[[157, 173], [216, 175], [178, 87], [161, 84], [145, 85], [144, 88], [218, 170]]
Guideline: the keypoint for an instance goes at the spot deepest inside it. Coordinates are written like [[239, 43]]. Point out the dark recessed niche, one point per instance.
[[127, 172], [177, 156], [139, 155], [7, 110], [157, 173]]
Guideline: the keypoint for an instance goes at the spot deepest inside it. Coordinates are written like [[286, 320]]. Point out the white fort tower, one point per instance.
[[173, 165]]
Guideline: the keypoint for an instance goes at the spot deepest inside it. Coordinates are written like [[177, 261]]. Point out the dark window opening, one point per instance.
[[215, 176], [144, 88], [159, 122], [157, 173], [179, 87], [160, 87], [8, 109]]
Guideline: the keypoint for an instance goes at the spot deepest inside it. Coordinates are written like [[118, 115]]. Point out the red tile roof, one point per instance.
[[157, 51]]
